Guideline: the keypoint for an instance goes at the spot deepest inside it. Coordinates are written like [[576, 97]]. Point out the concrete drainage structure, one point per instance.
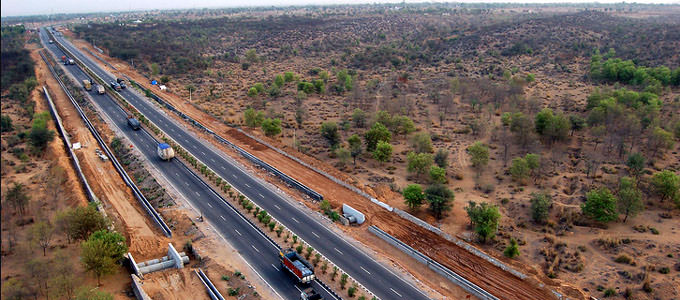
[[174, 259], [352, 215]]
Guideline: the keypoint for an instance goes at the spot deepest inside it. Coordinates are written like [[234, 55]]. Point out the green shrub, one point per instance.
[[512, 250], [609, 292], [351, 291], [623, 259]]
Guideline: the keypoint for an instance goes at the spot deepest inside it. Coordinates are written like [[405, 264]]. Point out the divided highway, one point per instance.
[[258, 251], [374, 276]]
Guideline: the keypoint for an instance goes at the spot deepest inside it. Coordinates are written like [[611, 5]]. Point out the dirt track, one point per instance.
[[488, 276]]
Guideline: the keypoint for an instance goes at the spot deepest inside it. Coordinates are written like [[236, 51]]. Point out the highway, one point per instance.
[[255, 248], [377, 278]]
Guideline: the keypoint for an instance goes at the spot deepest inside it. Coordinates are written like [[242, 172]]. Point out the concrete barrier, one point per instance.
[[213, 292], [172, 253], [137, 289], [382, 204], [134, 266], [69, 146]]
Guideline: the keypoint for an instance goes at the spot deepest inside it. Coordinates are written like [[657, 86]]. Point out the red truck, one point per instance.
[[297, 265]]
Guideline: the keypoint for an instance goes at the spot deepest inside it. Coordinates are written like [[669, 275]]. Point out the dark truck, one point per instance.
[[294, 263]]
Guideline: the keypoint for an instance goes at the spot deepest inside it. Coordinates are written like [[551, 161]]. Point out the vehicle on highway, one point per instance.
[[133, 123], [294, 263], [165, 152], [71, 62], [100, 89], [121, 82], [310, 294], [51, 42], [115, 86], [87, 84]]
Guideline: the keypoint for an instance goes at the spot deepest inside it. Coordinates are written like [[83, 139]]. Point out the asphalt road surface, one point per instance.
[[259, 252], [377, 278]]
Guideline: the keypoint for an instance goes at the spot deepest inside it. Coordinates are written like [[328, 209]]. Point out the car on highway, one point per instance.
[[121, 82], [115, 86], [133, 123], [310, 294], [100, 89]]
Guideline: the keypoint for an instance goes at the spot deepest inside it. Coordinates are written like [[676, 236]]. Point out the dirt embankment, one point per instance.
[[116, 197], [475, 269]]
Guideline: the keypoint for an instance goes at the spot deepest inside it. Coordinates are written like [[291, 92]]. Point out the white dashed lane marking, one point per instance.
[[395, 292]]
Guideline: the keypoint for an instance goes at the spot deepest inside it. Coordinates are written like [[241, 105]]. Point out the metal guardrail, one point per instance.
[[432, 264], [138, 194], [285, 177]]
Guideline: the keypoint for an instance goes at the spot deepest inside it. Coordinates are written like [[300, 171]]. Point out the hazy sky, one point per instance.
[[36, 7]]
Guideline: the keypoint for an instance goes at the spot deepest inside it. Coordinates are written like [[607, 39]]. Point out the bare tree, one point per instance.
[[592, 161], [41, 234]]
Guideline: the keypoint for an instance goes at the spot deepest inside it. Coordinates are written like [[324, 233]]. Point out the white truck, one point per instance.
[[165, 152]]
